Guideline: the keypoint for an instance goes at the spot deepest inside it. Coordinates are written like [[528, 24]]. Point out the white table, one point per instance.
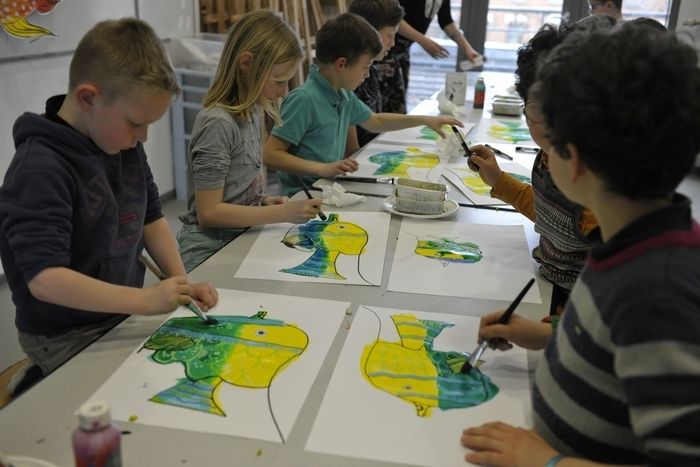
[[40, 422]]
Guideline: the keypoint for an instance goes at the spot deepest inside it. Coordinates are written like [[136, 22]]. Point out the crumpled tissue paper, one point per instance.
[[335, 195], [450, 146], [446, 106]]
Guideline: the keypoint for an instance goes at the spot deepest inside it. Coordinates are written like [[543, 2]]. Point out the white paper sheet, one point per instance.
[[501, 130], [246, 409], [502, 271], [366, 232], [468, 182], [387, 160], [357, 419], [418, 136]]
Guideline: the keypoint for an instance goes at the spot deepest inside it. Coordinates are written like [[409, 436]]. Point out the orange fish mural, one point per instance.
[[13, 17]]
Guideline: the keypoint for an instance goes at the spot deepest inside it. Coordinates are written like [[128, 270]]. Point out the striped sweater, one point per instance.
[[620, 379]]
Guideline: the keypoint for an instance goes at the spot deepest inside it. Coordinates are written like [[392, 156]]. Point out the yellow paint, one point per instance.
[[345, 238], [254, 366], [418, 387]]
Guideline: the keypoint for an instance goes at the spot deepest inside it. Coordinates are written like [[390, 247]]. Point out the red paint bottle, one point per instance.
[[479, 93], [96, 441]]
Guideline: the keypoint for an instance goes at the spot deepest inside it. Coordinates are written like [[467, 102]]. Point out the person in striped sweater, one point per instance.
[[619, 382]]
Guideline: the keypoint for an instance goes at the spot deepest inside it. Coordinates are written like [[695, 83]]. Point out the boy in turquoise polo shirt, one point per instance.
[[316, 116]]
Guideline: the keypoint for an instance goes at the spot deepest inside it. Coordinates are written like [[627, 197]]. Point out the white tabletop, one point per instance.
[[39, 423]]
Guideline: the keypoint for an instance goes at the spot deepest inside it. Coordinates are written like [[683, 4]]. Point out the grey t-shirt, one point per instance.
[[225, 152]]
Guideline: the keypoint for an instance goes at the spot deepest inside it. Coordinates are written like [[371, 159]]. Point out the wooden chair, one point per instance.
[[6, 378]]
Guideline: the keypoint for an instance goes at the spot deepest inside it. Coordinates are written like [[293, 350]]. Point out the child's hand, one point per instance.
[[298, 212], [205, 294], [338, 168], [500, 444], [270, 200], [484, 160], [436, 123], [166, 295], [523, 332]]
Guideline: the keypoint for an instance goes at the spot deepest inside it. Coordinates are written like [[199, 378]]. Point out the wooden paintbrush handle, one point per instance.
[[152, 267]]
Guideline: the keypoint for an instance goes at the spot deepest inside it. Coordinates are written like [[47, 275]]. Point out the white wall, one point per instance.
[[689, 9], [26, 83]]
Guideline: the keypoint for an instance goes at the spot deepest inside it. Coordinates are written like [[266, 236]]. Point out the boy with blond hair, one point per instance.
[[316, 116], [78, 203]]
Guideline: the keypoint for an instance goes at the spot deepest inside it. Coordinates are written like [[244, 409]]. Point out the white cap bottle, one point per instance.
[[96, 441]]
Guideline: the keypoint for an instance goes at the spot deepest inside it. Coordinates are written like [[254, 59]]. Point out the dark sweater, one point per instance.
[[415, 14], [620, 379], [65, 203]]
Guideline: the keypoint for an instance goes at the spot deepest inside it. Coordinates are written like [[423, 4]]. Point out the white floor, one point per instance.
[[10, 351]]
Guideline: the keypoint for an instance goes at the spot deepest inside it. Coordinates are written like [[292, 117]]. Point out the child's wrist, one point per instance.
[[554, 460]]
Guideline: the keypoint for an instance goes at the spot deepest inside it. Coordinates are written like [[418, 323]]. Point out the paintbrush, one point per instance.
[[465, 146], [498, 152], [308, 195], [476, 355], [192, 306]]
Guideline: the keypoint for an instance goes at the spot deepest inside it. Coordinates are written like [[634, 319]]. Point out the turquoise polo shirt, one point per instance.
[[315, 121]]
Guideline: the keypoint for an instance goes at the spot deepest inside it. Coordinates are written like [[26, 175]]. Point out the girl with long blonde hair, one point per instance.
[[226, 177]]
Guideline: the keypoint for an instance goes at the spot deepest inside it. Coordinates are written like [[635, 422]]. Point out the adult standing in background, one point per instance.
[[394, 68], [610, 7]]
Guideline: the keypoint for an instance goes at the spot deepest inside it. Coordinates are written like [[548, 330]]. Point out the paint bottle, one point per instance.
[[479, 93], [96, 441]]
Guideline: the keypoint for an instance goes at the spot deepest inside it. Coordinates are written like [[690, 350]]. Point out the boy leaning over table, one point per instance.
[[78, 203], [618, 382]]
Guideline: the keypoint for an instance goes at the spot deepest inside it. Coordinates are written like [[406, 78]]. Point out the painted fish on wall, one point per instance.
[[327, 240], [413, 371], [241, 351], [13, 17]]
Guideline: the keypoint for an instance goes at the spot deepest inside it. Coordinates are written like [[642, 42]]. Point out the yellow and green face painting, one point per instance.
[[241, 351], [397, 163], [326, 240], [447, 250], [413, 371]]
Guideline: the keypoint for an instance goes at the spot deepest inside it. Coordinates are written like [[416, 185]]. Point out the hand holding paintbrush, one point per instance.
[[308, 195], [503, 319], [192, 306]]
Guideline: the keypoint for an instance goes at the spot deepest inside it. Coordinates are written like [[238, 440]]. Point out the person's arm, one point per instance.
[[276, 156], [352, 143], [454, 33], [433, 49], [162, 247], [523, 332], [587, 222], [212, 211], [499, 444], [504, 186], [379, 122], [65, 287]]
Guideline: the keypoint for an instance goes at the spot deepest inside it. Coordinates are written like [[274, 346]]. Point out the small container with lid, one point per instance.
[[479, 93], [96, 441]]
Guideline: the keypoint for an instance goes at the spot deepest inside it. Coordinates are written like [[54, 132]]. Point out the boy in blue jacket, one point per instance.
[[78, 203]]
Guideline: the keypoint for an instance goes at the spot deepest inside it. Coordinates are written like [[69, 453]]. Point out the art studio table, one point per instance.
[[40, 422]]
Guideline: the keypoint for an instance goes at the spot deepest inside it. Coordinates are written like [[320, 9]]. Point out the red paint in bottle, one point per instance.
[[96, 441], [479, 93]]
